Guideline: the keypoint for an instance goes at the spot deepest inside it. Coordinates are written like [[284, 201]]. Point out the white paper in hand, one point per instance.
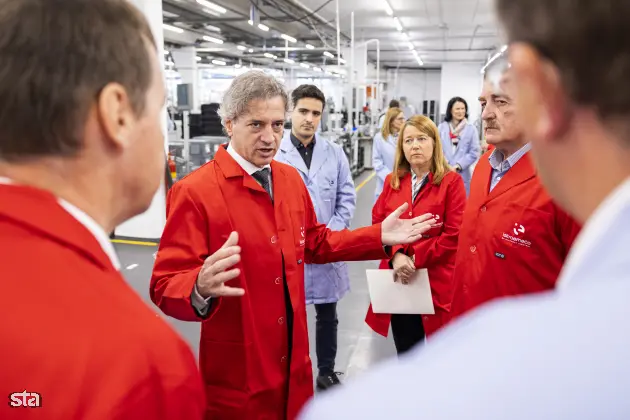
[[389, 297]]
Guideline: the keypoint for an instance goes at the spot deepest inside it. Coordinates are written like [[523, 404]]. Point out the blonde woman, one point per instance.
[[422, 178], [384, 147]]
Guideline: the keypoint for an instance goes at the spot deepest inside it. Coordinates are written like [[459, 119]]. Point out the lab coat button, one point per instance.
[[274, 239], [281, 320], [278, 280], [473, 249], [283, 359], [299, 262], [410, 214], [484, 208]]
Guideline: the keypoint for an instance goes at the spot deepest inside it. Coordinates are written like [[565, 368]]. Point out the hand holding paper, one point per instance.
[[389, 297]]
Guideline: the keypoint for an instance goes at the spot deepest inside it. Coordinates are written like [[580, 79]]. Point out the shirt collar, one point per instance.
[[414, 177], [298, 144], [499, 163], [90, 224], [247, 166]]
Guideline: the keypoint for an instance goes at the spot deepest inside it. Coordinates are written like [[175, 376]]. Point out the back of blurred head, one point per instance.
[[570, 61], [82, 95]]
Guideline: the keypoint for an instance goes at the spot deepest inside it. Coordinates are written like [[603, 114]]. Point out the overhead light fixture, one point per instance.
[[212, 39], [251, 50], [211, 12], [218, 62], [269, 55], [212, 28], [388, 8], [310, 47], [198, 58], [240, 47], [288, 38], [398, 24], [289, 61], [166, 52], [405, 36], [504, 48], [342, 61], [317, 69], [306, 66], [410, 45], [327, 54], [237, 66], [263, 27], [172, 28], [251, 22], [211, 6]]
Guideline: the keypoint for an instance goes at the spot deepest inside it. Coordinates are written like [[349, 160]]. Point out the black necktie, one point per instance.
[[262, 177]]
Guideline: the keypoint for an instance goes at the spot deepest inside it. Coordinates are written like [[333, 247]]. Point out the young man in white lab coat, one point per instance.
[[561, 354], [326, 172]]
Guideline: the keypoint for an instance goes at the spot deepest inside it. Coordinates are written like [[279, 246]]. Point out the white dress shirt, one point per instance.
[[90, 224]]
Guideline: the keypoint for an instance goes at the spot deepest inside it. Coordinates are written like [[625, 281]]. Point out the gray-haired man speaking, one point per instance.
[[254, 341]]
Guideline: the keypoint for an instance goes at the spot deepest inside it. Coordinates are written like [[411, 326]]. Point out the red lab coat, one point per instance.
[[436, 251], [75, 332], [513, 240], [244, 343]]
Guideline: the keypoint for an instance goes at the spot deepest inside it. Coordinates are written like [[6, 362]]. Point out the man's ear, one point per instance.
[[116, 115], [229, 126], [541, 95]]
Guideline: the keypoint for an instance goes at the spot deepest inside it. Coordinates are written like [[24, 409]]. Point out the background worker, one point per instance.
[[325, 171]]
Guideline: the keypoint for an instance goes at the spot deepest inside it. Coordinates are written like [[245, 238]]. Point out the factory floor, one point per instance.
[[358, 347]]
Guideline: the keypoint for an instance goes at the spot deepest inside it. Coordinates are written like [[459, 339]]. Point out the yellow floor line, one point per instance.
[[143, 243]]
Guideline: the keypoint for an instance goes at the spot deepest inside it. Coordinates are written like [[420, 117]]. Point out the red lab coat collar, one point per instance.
[[523, 171], [231, 169], [40, 213]]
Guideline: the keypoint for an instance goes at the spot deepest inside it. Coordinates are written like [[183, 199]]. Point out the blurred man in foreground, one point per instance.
[[81, 151], [561, 354], [254, 341]]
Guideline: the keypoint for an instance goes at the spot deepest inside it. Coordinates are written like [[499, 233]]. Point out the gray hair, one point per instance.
[[247, 87]]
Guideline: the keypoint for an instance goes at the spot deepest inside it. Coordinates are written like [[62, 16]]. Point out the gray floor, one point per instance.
[[358, 347]]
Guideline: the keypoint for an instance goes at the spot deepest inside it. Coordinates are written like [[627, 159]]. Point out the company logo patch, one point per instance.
[[518, 229], [25, 399], [303, 233]]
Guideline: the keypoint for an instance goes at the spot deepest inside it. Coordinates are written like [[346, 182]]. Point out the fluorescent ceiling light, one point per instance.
[[405, 36], [317, 69], [342, 61], [288, 38], [327, 54], [218, 62], [169, 14], [251, 22], [251, 50], [212, 6], [310, 47], [212, 39], [269, 55], [504, 48], [306, 66], [166, 52], [212, 28], [211, 12], [263, 27], [198, 58], [172, 28], [289, 61], [410, 45], [398, 25], [388, 8], [240, 47]]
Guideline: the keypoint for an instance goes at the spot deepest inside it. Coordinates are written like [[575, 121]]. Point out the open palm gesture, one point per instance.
[[397, 231]]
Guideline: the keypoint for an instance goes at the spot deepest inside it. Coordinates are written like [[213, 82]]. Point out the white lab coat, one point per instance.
[[562, 355]]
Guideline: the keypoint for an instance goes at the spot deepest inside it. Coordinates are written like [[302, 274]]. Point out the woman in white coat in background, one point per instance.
[[460, 139], [384, 147]]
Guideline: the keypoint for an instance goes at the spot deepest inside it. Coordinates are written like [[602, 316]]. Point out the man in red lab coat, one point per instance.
[[254, 342], [514, 238], [81, 151]]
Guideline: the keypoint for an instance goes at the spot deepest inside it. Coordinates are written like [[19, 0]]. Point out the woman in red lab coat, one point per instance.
[[422, 178]]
